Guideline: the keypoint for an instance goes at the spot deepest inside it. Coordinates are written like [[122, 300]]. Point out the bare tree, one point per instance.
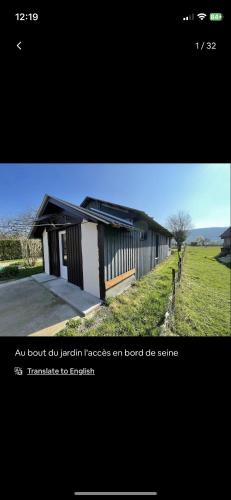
[[5, 231], [31, 250], [200, 240], [20, 225], [15, 227], [180, 225], [19, 228]]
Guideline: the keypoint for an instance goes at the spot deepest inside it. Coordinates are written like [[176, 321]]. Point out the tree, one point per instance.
[[31, 250], [18, 228], [20, 225], [200, 240], [5, 230], [180, 225]]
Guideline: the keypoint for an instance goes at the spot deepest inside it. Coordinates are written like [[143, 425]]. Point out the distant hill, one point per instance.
[[212, 233]]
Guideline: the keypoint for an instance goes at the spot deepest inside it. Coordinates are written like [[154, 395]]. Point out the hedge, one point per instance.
[[16, 249], [10, 249]]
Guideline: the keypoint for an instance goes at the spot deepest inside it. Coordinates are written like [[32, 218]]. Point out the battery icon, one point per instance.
[[216, 16]]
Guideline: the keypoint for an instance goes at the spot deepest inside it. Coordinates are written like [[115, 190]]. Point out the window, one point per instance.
[[64, 249], [157, 246], [143, 235]]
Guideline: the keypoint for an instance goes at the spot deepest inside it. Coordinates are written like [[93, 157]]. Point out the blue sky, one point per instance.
[[161, 190]]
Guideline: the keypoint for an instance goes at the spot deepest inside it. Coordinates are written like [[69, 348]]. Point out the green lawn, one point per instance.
[[137, 312], [22, 273], [4, 263], [203, 298]]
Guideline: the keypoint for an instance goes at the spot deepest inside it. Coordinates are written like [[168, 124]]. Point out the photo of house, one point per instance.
[[115, 250], [99, 246]]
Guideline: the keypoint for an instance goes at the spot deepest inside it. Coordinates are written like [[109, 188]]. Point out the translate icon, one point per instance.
[[18, 370]]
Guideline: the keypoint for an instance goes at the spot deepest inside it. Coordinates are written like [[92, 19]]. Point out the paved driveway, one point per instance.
[[26, 308]]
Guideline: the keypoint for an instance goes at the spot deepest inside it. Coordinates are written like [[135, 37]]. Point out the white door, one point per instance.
[[63, 254]]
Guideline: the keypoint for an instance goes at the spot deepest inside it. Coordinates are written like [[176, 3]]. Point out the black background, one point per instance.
[[137, 425], [115, 83]]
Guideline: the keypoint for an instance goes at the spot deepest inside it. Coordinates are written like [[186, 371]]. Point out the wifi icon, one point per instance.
[[202, 16]]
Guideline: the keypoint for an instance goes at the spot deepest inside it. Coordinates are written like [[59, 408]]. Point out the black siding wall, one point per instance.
[[124, 250], [145, 252], [74, 255], [163, 247], [53, 241], [119, 252]]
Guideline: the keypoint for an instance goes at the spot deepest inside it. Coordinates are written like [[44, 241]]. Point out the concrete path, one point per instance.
[[83, 302], [28, 308], [43, 277]]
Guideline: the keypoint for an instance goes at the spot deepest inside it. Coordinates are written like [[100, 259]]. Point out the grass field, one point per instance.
[[22, 273], [4, 263], [203, 298], [138, 312]]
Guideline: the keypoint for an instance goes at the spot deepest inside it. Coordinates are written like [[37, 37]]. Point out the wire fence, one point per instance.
[[176, 275], [176, 278]]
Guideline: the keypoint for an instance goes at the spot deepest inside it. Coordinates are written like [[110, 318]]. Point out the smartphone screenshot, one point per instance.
[[115, 250]]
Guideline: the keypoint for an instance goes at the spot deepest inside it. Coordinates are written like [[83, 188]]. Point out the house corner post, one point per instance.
[[42, 246], [101, 261]]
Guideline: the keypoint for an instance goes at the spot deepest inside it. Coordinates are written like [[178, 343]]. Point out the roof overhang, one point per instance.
[[152, 223], [226, 234], [74, 211]]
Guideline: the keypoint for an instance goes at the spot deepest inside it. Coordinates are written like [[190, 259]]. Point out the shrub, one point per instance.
[[31, 250], [67, 332], [88, 322], [9, 272], [74, 323], [20, 248], [109, 301], [10, 249]]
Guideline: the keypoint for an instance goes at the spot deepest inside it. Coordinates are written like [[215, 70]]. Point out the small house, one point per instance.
[[99, 246], [226, 236]]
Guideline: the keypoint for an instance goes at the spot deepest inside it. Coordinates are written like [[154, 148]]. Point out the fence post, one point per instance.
[[173, 287], [179, 266], [173, 281]]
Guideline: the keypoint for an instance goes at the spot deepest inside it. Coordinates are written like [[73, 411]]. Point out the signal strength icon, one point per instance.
[[202, 16], [189, 18]]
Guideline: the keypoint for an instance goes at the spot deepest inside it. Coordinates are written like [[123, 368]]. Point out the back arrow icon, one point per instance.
[[18, 45]]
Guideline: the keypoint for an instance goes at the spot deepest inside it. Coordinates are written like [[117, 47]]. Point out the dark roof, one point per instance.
[[87, 199], [140, 213], [84, 213], [93, 215], [226, 234], [89, 214]]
